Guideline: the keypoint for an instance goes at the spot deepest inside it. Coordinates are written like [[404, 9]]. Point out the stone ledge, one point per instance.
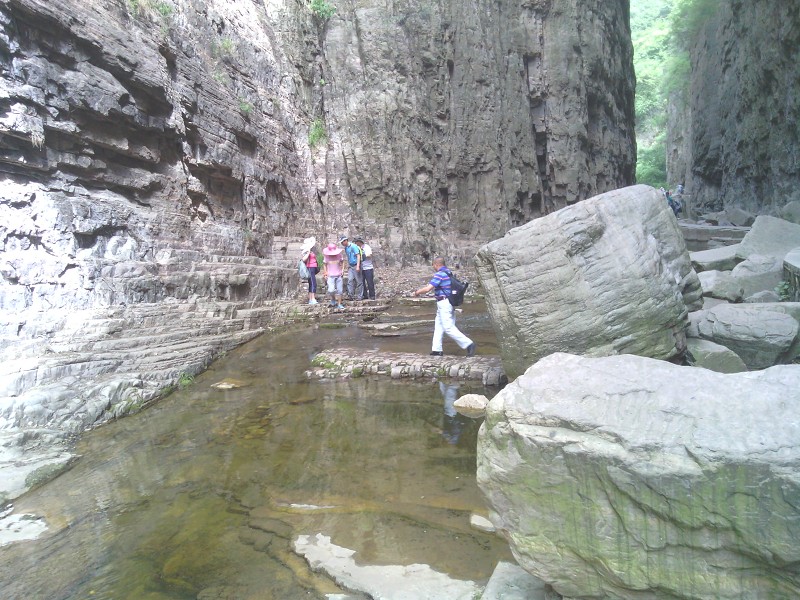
[[398, 365]]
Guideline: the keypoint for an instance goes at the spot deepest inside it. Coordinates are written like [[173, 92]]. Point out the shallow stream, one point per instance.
[[202, 494]]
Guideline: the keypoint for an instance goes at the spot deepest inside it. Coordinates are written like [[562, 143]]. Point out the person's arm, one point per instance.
[[324, 268], [358, 261], [423, 290]]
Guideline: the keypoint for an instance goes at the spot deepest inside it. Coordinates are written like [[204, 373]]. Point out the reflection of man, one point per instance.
[[452, 422]]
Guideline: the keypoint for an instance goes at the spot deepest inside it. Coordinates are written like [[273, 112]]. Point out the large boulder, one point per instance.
[[762, 335], [758, 273], [721, 285], [627, 477], [715, 259], [715, 357], [609, 275], [769, 236]]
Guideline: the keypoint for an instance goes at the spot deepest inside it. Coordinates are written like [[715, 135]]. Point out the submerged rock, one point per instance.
[[627, 477], [381, 582]]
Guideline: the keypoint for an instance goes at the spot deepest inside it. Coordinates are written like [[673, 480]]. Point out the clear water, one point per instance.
[[201, 495]]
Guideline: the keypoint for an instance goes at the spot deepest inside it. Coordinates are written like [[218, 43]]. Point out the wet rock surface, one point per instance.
[[331, 364], [687, 479]]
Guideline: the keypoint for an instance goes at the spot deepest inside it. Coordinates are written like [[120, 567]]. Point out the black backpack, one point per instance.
[[457, 289]]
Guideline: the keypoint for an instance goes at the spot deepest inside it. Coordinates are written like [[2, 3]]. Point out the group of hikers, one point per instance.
[[360, 270], [361, 284], [675, 200]]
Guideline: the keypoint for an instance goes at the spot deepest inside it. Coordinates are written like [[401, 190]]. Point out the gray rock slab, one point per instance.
[[715, 259], [739, 216], [702, 235], [762, 334], [482, 524], [387, 582], [721, 285], [762, 297], [608, 275], [791, 212], [471, 404], [628, 477], [331, 364], [709, 302], [769, 236], [759, 274], [714, 357], [512, 582]]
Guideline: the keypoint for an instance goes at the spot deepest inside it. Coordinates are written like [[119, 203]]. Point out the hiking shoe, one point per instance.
[[332, 305], [313, 302], [340, 306], [471, 349], [437, 353]]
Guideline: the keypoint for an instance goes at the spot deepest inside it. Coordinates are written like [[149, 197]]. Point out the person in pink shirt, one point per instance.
[[332, 266]]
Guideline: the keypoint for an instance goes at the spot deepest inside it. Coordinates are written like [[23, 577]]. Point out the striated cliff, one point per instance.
[[734, 139], [158, 171]]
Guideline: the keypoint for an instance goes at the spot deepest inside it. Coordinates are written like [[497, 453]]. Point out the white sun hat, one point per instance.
[[308, 244]]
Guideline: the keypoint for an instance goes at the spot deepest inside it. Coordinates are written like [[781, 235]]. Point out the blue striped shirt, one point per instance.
[[441, 283]]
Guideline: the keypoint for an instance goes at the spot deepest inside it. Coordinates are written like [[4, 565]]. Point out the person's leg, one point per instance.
[[339, 291], [312, 285], [449, 324], [359, 284], [438, 332], [369, 284], [332, 290], [351, 282]]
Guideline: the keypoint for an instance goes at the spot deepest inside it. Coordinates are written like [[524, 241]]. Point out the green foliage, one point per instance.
[[784, 291], [185, 380], [652, 50], [651, 166], [245, 107], [322, 9], [149, 9], [317, 134], [223, 48], [688, 19], [319, 361]]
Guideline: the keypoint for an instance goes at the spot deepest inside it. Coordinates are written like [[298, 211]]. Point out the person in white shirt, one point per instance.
[[367, 269]]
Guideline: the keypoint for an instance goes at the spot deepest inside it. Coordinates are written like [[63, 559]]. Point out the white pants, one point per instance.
[[446, 323]]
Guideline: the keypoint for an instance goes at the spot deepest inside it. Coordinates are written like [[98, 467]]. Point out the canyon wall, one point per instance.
[[161, 161], [734, 137]]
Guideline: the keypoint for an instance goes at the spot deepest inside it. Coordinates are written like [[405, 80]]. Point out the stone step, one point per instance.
[[345, 363]]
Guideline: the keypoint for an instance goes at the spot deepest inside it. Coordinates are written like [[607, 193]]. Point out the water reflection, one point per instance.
[[453, 423], [201, 495]]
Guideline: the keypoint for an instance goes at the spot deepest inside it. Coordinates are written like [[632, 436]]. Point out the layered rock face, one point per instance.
[[627, 477], [610, 275], [452, 123], [158, 171], [734, 140]]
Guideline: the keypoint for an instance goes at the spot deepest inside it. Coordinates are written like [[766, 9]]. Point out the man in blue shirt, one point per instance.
[[445, 313], [355, 281]]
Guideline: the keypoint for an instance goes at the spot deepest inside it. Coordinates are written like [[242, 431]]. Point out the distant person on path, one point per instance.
[[309, 258], [367, 269], [355, 283], [445, 313], [332, 266]]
